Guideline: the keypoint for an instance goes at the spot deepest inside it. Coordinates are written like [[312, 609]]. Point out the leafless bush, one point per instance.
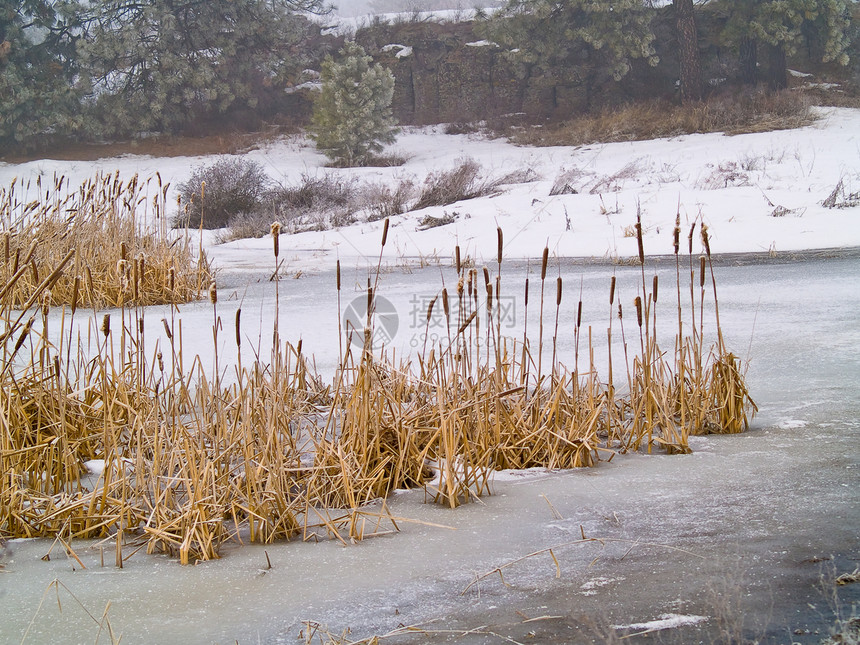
[[614, 182], [428, 221], [568, 182], [233, 185], [383, 201], [840, 197], [460, 183], [724, 175]]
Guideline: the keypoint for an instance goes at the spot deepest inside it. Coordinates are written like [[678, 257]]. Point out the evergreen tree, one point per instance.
[[551, 33], [38, 97], [781, 26], [162, 64], [352, 115]]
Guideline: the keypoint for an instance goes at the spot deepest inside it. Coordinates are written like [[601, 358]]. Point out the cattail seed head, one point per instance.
[[457, 262], [638, 304], [639, 242], [106, 325], [46, 302], [654, 288], [676, 233], [385, 231], [702, 271], [706, 240], [499, 244], [239, 327], [579, 315], [690, 238], [171, 279], [489, 297], [558, 291], [213, 292], [76, 288], [275, 230], [123, 251], [160, 359], [461, 283], [544, 262], [486, 276], [167, 331], [612, 291], [526, 297], [445, 306], [338, 275], [430, 308]]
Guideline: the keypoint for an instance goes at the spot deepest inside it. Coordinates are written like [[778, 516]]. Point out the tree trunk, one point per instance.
[[688, 51], [777, 75], [748, 61]]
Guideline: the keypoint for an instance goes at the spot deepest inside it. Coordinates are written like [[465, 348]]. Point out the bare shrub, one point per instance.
[[724, 175], [461, 183], [428, 221], [233, 185], [614, 182], [568, 182], [840, 197], [383, 201]]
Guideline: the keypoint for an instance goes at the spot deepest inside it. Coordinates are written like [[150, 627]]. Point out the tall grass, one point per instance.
[[191, 460]]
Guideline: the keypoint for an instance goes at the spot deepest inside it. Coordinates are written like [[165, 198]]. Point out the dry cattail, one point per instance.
[[167, 331], [24, 333], [123, 251], [385, 232], [558, 291], [544, 262], [702, 271], [639, 242], [299, 347], [489, 297], [654, 288], [445, 306], [612, 291], [160, 359], [676, 233], [620, 312], [338, 275], [46, 302], [499, 244], [526, 296], [430, 308], [460, 285], [239, 327], [106, 325], [457, 262], [579, 315], [275, 230], [638, 304], [76, 288], [690, 238], [34, 271], [213, 293], [486, 276], [171, 279], [706, 240]]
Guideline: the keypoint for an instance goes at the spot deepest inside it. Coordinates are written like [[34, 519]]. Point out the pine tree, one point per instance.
[[352, 116], [38, 94], [551, 33], [162, 64], [780, 27]]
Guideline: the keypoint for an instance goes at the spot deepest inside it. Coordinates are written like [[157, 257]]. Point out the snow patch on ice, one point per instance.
[[666, 621]]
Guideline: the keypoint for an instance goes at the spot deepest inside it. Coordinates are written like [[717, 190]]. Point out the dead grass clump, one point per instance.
[[733, 114], [460, 183], [189, 462], [840, 197], [122, 252]]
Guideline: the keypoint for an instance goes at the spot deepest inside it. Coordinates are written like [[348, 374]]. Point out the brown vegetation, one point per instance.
[[192, 461]]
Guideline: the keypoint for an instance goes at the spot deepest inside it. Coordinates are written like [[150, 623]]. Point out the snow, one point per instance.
[[733, 184], [666, 621], [402, 51]]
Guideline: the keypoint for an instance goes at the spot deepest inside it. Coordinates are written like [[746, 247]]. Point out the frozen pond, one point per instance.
[[743, 538]]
